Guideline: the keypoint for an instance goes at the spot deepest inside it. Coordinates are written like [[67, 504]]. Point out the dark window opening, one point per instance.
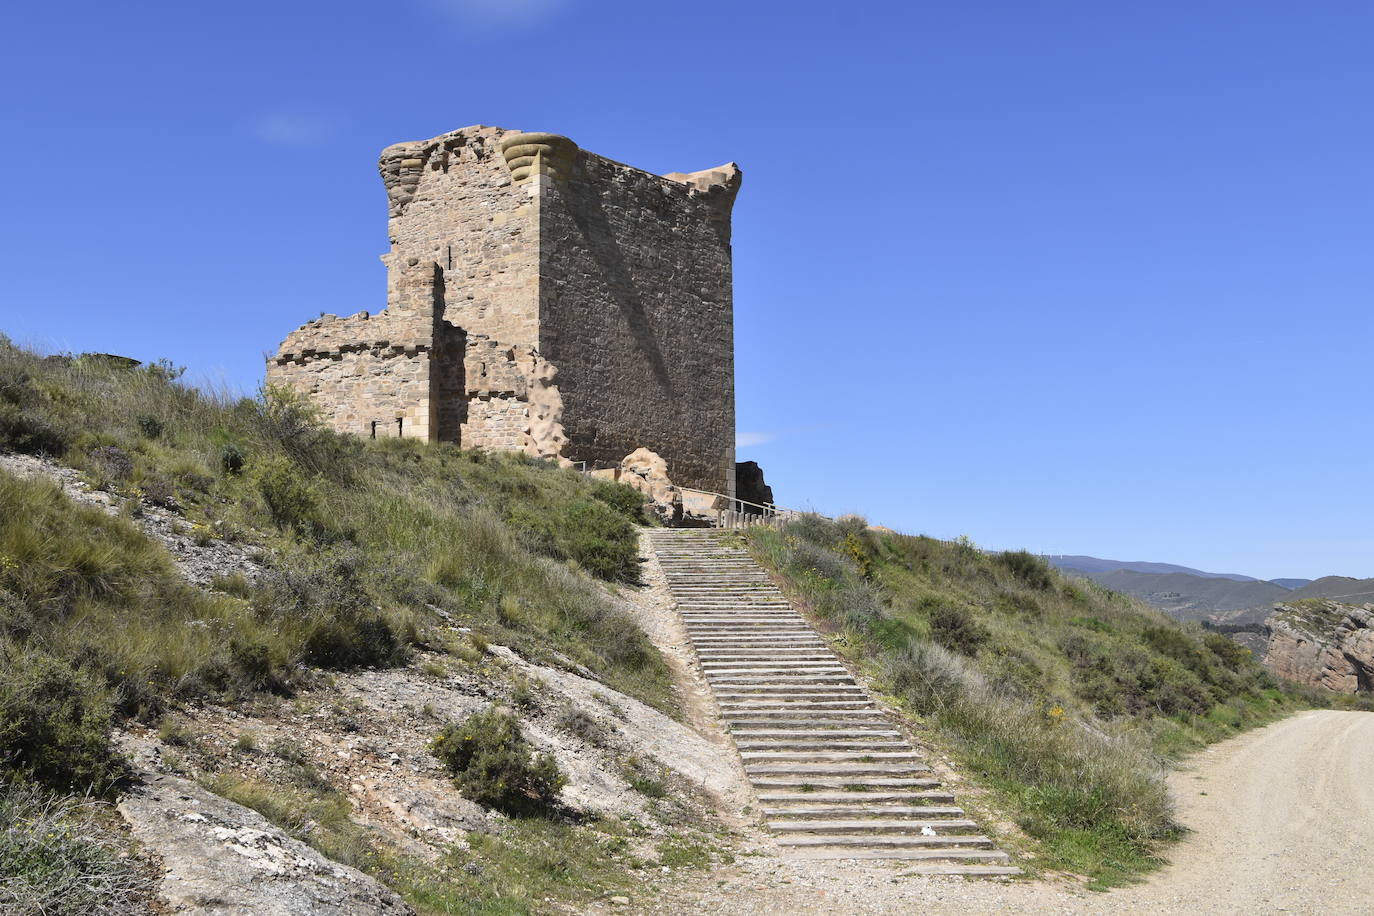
[[374, 429], [399, 421]]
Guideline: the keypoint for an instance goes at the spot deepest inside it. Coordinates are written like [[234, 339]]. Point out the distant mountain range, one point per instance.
[[1193, 594], [1098, 565]]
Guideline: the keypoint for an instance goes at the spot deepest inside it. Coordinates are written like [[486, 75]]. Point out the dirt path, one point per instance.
[[1282, 821]]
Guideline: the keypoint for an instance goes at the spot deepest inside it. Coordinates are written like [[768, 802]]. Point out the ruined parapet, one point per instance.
[[370, 374]]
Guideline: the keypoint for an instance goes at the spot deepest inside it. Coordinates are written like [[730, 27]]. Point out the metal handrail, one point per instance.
[[768, 508], [736, 516]]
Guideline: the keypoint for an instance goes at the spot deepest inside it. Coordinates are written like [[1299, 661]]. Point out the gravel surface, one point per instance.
[[1282, 821]]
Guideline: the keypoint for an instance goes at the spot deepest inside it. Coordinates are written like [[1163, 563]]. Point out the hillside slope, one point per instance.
[[1335, 588], [220, 592], [1190, 597], [1063, 697]]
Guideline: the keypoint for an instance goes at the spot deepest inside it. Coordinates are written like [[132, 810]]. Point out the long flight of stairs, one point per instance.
[[833, 777]]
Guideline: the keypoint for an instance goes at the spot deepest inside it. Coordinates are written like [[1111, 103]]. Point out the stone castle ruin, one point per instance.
[[540, 298]]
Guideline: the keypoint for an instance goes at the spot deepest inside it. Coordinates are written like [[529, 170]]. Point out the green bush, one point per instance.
[[289, 495], [596, 536], [1027, 567], [494, 765], [55, 724], [955, 628], [56, 859], [626, 501]]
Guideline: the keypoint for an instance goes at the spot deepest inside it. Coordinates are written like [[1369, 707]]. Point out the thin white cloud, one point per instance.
[[744, 440], [293, 129], [499, 13]]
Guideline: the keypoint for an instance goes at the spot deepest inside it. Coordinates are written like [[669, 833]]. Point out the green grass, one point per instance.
[[373, 549], [1066, 700]]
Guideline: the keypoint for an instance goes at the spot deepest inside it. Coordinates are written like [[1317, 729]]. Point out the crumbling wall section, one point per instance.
[[370, 374], [513, 400]]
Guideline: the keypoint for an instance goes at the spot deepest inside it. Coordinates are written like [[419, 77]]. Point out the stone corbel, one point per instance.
[[531, 154]]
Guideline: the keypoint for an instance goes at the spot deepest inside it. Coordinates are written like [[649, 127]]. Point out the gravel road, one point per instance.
[[1281, 819]]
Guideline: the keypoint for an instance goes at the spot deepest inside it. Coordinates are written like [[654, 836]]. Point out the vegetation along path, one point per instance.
[[832, 775]]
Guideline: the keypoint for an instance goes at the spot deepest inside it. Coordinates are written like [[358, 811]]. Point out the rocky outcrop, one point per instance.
[[224, 859], [648, 473], [751, 487], [1323, 644]]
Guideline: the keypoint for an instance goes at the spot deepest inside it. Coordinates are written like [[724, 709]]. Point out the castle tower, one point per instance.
[[543, 298]]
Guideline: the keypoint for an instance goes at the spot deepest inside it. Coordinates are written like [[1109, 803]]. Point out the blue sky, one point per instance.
[[1079, 277]]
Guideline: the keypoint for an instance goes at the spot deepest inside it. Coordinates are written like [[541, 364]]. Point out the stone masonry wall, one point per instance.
[[542, 298], [453, 202], [367, 372], [637, 314]]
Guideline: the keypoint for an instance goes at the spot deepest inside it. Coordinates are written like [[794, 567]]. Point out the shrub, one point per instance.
[[56, 860], [602, 541], [322, 598], [1027, 567], [354, 640], [290, 497], [149, 427], [30, 431], [627, 501], [231, 458], [585, 726], [113, 462], [954, 628], [494, 765], [55, 724]]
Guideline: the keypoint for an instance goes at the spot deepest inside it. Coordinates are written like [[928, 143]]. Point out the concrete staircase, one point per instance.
[[834, 778]]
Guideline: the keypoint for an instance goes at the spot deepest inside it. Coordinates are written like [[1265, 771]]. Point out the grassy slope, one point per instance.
[[1065, 699], [372, 548], [370, 542]]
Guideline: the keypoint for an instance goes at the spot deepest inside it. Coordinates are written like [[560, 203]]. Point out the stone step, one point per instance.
[[826, 691], [794, 707], [802, 746], [822, 718], [864, 783], [754, 734], [825, 756], [706, 655], [748, 723], [899, 797], [973, 844], [861, 811], [876, 826], [900, 855], [836, 769], [786, 674]]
